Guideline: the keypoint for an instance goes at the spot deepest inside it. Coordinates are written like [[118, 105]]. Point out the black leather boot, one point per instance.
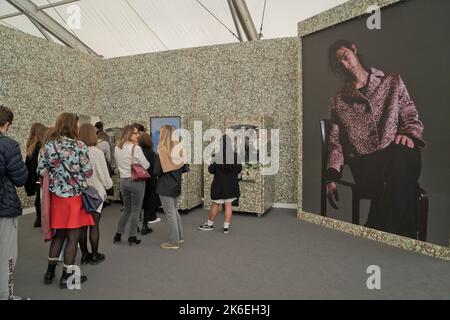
[[117, 237], [50, 274], [97, 258], [146, 229], [133, 241], [37, 223], [86, 259]]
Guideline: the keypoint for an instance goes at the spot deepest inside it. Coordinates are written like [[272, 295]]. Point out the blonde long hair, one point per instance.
[[165, 138]]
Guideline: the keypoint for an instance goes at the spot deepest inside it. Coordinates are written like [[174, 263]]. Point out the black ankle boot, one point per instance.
[[117, 237], [146, 229], [133, 241], [97, 258], [65, 276], [50, 274], [86, 259], [37, 223]]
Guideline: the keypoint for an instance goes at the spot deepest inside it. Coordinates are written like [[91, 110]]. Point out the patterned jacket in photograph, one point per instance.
[[74, 154], [362, 124]]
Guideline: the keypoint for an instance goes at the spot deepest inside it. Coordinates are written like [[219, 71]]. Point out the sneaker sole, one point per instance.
[[173, 248], [201, 229]]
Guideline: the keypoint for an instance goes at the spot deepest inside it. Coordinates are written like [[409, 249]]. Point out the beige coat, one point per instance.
[[100, 178]]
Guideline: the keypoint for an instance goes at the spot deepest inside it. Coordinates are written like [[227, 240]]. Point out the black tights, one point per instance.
[[94, 236], [70, 252], [37, 203]]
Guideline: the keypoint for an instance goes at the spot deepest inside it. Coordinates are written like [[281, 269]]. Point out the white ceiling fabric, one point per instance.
[[115, 28]]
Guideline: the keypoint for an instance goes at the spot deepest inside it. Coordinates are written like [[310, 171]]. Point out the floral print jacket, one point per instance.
[[364, 123], [74, 154]]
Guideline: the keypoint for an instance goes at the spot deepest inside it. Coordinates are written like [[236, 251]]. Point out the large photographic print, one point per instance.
[[375, 121]]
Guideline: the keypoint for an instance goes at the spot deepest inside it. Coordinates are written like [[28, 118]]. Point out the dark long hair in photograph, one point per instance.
[[335, 66]]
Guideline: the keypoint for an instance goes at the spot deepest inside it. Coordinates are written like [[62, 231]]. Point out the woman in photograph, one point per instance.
[[375, 128]]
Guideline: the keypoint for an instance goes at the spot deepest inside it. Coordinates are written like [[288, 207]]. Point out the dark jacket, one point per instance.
[[31, 163], [12, 174], [169, 183], [150, 196], [225, 184]]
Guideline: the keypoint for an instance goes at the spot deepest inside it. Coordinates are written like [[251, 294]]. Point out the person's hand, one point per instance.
[[404, 140], [332, 194]]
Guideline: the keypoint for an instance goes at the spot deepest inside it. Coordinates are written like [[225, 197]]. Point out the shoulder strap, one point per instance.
[[132, 154]]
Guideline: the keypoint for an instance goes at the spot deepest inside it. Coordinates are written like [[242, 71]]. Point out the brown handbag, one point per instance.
[[138, 173]]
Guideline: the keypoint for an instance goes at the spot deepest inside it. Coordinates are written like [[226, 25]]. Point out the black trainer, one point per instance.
[[206, 227]]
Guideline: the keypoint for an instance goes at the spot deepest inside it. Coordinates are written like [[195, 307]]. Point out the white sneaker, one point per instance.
[[206, 227], [154, 221], [17, 298]]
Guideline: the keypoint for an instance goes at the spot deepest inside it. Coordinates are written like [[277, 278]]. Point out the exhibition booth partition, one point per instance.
[[279, 84]]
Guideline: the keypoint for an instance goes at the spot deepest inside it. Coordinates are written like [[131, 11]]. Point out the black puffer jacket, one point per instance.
[[12, 174]]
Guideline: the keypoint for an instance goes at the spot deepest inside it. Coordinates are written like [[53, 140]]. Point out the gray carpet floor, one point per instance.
[[272, 257]]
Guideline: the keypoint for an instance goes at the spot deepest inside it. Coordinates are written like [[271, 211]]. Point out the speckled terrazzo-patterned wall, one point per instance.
[[39, 80], [254, 78]]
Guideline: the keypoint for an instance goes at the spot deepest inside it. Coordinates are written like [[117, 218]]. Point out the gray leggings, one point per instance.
[[173, 218], [132, 195], [8, 255]]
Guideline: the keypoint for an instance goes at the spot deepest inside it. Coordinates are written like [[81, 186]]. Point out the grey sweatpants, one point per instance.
[[8, 255], [173, 218], [132, 196]]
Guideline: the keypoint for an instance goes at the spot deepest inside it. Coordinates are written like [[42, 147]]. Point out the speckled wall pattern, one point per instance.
[[39, 80], [255, 78]]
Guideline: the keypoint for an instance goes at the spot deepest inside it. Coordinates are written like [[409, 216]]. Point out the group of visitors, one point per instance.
[[62, 161]]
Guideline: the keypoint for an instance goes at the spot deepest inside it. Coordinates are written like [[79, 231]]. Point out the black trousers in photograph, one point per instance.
[[390, 178]]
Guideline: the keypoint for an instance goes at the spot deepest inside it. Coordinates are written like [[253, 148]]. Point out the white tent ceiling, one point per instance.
[[115, 28]]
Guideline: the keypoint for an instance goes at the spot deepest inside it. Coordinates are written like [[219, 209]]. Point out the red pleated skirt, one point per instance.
[[68, 213]]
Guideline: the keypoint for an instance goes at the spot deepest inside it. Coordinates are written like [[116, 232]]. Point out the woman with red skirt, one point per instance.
[[67, 162]]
